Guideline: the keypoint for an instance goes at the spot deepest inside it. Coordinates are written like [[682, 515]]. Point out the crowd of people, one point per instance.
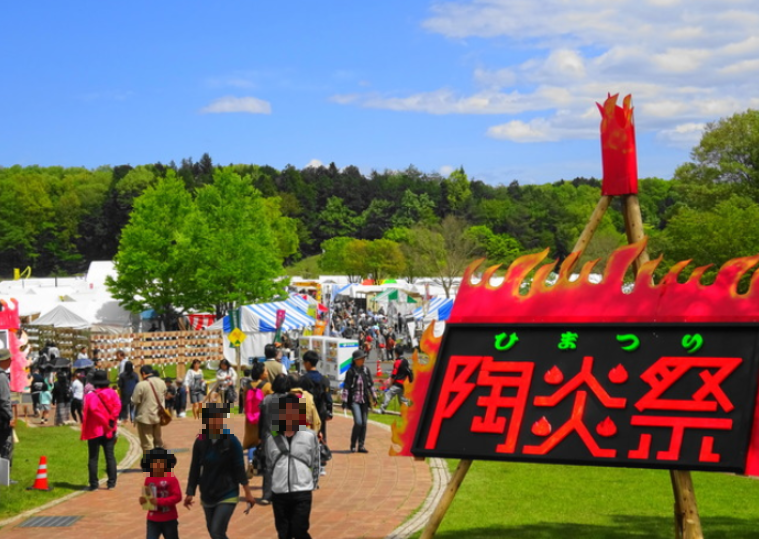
[[286, 416]]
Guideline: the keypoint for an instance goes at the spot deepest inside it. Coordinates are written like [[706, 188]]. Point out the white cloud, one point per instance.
[[685, 63], [683, 135], [314, 163], [250, 105], [446, 170]]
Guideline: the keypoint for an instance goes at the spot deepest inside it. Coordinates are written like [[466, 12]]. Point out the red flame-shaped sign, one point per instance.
[[618, 375], [606, 428], [554, 376], [541, 427]]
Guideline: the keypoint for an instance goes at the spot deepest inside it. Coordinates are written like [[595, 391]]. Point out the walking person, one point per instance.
[[62, 399], [36, 387], [254, 396], [401, 372], [77, 396], [218, 468], [46, 395], [269, 415], [196, 387], [101, 410], [321, 390], [7, 420], [293, 455], [226, 382], [149, 399], [127, 382], [358, 395], [161, 494]]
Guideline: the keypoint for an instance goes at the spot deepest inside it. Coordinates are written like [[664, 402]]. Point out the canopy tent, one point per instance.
[[394, 294], [259, 322], [99, 317], [437, 309]]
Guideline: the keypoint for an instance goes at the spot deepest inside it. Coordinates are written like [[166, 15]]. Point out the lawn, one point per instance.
[[66, 466], [532, 501]]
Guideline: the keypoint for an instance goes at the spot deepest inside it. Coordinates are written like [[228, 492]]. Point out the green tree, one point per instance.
[[284, 229], [715, 236], [445, 248], [497, 248], [458, 191], [385, 259], [336, 219], [413, 210], [155, 260], [333, 255], [235, 253]]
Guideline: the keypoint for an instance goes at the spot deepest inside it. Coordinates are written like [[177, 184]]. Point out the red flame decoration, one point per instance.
[[541, 427], [554, 376], [606, 428], [581, 301], [618, 375], [618, 153]]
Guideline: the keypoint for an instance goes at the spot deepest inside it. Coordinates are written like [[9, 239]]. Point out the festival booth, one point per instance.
[[437, 309], [259, 323], [661, 374], [336, 354]]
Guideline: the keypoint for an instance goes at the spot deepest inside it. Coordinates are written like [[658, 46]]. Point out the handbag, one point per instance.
[[325, 454], [164, 416]]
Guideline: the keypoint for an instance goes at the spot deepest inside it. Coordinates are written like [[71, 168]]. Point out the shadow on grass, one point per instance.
[[68, 486], [623, 527]]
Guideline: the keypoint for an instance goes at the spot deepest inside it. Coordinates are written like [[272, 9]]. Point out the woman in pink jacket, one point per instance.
[[100, 412]]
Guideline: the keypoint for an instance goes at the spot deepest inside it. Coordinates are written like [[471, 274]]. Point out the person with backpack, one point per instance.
[[254, 396], [401, 372], [321, 390], [268, 422]]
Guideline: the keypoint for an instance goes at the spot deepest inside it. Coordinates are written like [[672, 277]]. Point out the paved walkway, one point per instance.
[[361, 497]]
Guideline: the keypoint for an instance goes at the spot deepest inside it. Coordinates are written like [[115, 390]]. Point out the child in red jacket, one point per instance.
[[161, 494]]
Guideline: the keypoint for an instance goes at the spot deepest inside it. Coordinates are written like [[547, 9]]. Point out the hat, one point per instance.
[[100, 379], [5, 354], [158, 454], [359, 354]]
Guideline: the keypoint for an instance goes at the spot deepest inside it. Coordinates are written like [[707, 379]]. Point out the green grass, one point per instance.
[[66, 466], [532, 501]]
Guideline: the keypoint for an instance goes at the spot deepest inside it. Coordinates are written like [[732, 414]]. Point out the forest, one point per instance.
[[56, 220]]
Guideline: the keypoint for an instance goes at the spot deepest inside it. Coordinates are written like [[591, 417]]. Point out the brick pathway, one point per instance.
[[361, 497]]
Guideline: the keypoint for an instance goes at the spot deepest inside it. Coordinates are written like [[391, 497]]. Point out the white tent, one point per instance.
[[100, 317]]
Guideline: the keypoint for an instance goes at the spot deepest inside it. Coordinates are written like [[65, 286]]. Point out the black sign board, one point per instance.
[[641, 395]]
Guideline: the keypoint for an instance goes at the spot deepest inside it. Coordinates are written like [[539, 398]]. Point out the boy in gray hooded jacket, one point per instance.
[[292, 453]]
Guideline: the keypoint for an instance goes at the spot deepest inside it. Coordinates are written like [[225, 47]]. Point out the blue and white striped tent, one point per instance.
[[262, 318], [259, 322], [437, 309]]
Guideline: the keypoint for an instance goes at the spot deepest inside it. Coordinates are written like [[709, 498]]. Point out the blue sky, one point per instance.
[[505, 88]]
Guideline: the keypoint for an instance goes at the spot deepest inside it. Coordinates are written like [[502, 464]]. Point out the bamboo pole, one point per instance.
[[445, 501], [592, 226], [634, 227]]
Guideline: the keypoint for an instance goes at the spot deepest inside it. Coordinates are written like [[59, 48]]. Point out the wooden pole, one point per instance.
[[445, 501], [592, 226], [687, 520]]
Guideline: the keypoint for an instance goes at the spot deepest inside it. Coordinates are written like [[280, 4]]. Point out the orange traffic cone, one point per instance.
[[40, 483], [379, 368]]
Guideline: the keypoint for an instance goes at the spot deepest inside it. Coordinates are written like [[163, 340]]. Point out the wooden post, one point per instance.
[[445, 501], [687, 520], [592, 226]]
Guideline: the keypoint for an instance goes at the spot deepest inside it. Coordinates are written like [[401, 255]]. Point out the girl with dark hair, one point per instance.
[[196, 387], [127, 381], [218, 468], [226, 382]]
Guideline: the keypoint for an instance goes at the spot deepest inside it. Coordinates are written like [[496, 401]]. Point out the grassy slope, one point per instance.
[[533, 501], [66, 466]]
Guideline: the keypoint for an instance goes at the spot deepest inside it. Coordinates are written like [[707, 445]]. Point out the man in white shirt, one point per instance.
[[77, 396]]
